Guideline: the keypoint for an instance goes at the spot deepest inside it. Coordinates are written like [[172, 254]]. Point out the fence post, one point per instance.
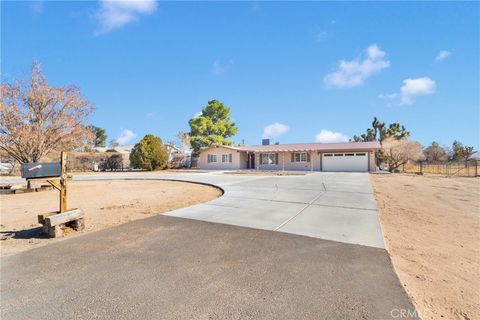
[[421, 167]]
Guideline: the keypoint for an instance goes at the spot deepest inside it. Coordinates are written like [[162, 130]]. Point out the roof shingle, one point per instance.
[[344, 146]]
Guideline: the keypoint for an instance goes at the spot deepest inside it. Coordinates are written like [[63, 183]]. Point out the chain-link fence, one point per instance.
[[464, 169]]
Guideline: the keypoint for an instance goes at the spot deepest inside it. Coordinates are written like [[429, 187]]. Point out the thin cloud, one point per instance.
[[355, 72], [126, 136], [321, 35], [416, 87], [114, 14], [442, 55], [327, 136], [37, 7], [274, 130], [325, 32], [220, 67], [387, 96], [410, 89]]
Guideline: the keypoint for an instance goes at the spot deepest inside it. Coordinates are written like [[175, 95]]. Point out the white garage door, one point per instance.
[[352, 161]]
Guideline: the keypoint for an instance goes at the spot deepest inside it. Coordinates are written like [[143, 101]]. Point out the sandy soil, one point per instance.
[[431, 227], [106, 204]]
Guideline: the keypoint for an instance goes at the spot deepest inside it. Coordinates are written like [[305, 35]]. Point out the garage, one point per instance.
[[347, 162]]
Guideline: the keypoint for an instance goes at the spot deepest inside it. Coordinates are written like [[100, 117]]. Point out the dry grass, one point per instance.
[[432, 232]]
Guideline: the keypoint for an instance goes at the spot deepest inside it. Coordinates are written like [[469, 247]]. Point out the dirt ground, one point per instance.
[[109, 203], [432, 232]]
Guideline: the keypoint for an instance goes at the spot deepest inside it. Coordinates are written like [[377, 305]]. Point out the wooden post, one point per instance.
[[63, 182], [62, 185]]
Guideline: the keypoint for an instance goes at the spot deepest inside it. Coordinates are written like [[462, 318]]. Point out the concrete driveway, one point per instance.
[[166, 267], [332, 206], [325, 205]]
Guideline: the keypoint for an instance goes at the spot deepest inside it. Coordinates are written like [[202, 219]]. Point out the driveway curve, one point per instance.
[[166, 267], [331, 206]]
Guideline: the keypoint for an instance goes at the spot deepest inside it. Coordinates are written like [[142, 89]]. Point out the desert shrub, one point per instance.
[[149, 154]]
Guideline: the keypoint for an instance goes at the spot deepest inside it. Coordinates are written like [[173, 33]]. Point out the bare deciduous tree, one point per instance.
[[435, 153], [399, 152], [184, 139], [36, 118]]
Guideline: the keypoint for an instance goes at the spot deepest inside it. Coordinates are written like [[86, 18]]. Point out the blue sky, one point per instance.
[[294, 72]]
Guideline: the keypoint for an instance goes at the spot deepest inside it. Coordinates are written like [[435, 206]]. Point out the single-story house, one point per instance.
[[346, 156]]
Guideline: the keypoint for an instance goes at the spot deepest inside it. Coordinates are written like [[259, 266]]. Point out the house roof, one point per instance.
[[172, 148], [127, 148], [343, 146]]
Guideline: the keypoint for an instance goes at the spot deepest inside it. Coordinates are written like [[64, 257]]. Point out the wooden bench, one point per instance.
[[54, 223]]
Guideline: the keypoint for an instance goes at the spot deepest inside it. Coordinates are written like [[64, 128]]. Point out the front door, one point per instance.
[[251, 161]]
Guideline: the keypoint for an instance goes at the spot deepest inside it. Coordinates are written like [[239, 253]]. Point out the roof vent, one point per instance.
[[265, 142]]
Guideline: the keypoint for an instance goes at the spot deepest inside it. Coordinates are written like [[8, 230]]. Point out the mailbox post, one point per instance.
[[56, 175], [62, 185]]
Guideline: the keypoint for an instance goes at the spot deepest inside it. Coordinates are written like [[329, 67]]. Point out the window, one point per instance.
[[300, 157], [338, 154], [349, 154], [328, 155], [212, 158], [227, 157], [360, 154], [268, 158]]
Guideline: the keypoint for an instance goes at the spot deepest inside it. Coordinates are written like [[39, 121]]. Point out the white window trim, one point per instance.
[[226, 157], [300, 157], [268, 154], [212, 158]]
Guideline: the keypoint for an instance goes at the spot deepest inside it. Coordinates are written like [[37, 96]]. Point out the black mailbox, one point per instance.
[[41, 170]]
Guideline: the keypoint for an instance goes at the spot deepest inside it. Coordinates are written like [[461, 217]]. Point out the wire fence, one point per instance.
[[462, 169]]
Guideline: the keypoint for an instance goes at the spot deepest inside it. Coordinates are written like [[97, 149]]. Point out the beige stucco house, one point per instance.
[[347, 156]]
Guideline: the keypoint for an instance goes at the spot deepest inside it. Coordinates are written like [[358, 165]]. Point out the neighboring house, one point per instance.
[[178, 157], [347, 156], [124, 150]]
